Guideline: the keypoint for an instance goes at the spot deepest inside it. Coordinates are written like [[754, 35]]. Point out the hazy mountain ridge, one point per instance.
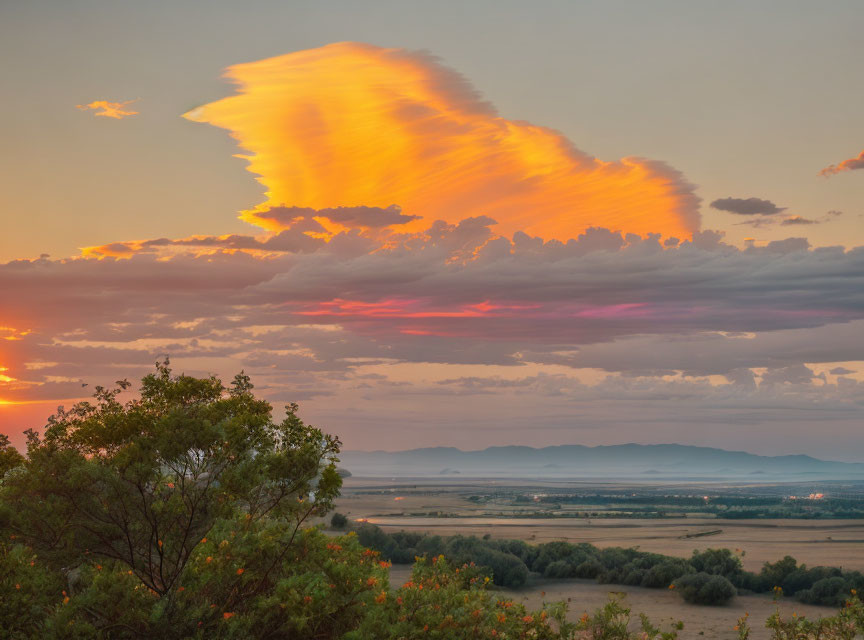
[[630, 460]]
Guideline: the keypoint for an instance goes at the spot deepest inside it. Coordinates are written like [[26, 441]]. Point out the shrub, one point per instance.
[[718, 562], [560, 569], [828, 591], [662, 575], [803, 578], [338, 521], [590, 569], [704, 588], [775, 573]]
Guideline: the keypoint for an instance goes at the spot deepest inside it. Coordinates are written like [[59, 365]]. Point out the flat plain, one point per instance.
[[446, 507]]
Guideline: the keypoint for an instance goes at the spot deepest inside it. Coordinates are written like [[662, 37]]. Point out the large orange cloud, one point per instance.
[[356, 125]]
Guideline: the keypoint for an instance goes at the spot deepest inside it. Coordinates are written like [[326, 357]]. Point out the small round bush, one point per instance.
[[704, 588], [830, 592], [338, 521]]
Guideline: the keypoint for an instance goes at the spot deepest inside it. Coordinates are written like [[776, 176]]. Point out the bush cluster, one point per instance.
[[704, 588], [510, 562]]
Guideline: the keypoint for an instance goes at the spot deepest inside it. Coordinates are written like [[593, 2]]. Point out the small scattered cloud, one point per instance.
[[370, 217], [840, 371], [795, 220], [747, 206], [761, 221], [116, 110], [849, 164]]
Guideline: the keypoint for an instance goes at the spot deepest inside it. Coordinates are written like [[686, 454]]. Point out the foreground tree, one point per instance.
[[143, 485]]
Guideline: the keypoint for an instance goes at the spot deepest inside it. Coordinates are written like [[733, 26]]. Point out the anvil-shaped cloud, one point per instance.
[[352, 124]]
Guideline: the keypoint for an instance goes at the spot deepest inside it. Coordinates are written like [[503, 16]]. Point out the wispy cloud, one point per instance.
[[797, 220], [747, 206], [849, 164], [103, 108]]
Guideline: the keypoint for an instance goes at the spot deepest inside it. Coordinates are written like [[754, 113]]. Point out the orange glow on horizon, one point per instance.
[[351, 124]]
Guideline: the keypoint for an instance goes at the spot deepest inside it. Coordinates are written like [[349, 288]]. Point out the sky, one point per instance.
[[445, 224]]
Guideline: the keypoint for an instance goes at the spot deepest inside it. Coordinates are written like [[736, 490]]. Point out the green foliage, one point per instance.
[[9, 456], [665, 573], [338, 521], [446, 601], [846, 625], [705, 588], [717, 562], [143, 482], [511, 561], [28, 592], [135, 490], [775, 573]]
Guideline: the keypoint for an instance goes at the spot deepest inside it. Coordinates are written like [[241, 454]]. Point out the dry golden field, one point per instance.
[[826, 542], [837, 543], [661, 605]]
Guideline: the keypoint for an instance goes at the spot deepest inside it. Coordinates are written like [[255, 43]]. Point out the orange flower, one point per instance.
[[159, 542], [203, 540], [381, 597], [527, 619], [170, 485], [371, 582], [17, 586], [208, 559], [584, 618], [307, 599], [240, 572], [227, 615]]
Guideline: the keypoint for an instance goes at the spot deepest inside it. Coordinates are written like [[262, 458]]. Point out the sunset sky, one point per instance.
[[454, 224]]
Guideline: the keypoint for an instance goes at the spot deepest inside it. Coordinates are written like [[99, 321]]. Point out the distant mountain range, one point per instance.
[[651, 462]]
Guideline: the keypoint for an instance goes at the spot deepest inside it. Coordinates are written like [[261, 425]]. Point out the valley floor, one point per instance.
[[662, 606]]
